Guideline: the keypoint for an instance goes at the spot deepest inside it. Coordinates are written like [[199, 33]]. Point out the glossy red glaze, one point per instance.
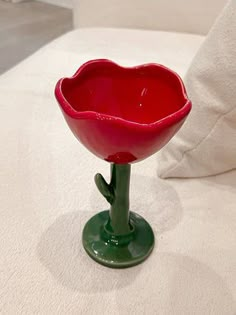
[[123, 115]]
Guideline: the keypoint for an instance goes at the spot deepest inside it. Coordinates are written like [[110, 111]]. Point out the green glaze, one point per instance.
[[110, 250], [117, 194], [117, 238]]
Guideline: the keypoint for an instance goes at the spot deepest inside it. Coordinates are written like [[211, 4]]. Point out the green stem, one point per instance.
[[117, 194]]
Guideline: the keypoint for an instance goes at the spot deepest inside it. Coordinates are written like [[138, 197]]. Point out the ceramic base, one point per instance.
[[118, 251]]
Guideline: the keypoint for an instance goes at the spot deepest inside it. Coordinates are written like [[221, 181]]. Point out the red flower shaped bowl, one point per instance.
[[120, 114]]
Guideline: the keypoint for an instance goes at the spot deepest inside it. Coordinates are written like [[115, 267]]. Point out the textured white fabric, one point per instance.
[[177, 15], [47, 195], [206, 144]]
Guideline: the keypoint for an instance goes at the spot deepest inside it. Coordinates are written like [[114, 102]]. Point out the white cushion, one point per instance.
[[47, 195], [206, 144], [178, 15]]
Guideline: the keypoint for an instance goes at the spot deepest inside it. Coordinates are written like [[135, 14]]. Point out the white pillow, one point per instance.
[[206, 144]]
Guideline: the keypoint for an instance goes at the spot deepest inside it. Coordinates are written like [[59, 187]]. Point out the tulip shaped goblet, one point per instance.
[[122, 115]]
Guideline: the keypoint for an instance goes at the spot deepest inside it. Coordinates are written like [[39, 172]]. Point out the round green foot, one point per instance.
[[118, 251]]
